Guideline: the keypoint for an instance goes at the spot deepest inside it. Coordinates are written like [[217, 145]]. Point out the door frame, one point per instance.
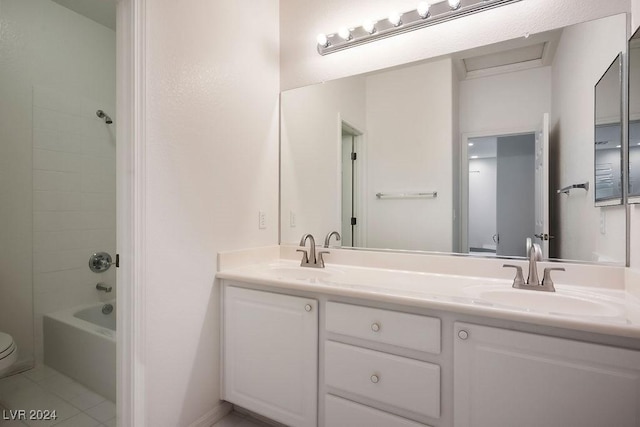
[[463, 217], [360, 178], [130, 198]]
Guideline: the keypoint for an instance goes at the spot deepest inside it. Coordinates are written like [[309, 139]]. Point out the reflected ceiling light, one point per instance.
[[471, 144], [423, 10], [618, 146], [474, 157], [424, 15], [638, 143], [369, 27], [395, 19]]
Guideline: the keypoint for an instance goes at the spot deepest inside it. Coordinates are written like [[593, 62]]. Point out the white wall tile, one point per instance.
[[49, 160], [57, 221], [44, 262], [98, 201], [48, 241], [56, 181], [57, 201]]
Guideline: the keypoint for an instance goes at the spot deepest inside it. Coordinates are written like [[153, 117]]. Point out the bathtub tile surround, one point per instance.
[[46, 388], [74, 185]]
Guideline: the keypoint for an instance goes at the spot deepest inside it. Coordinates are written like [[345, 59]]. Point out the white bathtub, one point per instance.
[[81, 343]]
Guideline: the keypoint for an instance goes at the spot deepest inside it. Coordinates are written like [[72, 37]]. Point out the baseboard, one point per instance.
[[214, 415], [18, 367]]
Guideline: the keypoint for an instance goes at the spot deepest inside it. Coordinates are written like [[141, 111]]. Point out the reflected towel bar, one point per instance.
[[430, 194], [565, 190]]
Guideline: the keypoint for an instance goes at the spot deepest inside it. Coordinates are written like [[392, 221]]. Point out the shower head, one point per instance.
[[104, 116]]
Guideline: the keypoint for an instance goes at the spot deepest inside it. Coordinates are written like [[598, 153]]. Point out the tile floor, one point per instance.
[[44, 388], [236, 420]]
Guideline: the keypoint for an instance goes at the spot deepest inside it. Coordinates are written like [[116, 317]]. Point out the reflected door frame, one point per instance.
[[359, 177], [463, 216]]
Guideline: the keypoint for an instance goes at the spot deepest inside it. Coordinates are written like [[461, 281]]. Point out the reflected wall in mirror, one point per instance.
[[608, 136], [634, 118], [463, 153]]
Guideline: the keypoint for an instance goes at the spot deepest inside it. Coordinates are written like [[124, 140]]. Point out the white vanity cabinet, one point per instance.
[[355, 367], [270, 354], [508, 378]]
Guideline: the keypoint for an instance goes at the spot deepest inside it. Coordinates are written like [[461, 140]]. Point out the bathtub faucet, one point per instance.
[[103, 287]]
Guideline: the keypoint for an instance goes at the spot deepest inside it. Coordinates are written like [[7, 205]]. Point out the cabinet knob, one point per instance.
[[308, 307], [375, 327], [463, 335], [375, 379]]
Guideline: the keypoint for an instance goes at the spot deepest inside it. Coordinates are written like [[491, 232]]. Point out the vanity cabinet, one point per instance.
[[508, 378], [270, 354], [355, 367]]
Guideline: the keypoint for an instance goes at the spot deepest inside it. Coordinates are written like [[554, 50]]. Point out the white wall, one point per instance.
[[583, 55], [635, 210], [482, 202], [302, 20], [311, 142], [54, 150], [505, 102], [211, 164], [409, 149]]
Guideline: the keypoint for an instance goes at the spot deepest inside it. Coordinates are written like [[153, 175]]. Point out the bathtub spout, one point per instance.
[[103, 287]]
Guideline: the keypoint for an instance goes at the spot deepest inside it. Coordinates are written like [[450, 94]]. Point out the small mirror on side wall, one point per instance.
[[608, 136], [634, 119]]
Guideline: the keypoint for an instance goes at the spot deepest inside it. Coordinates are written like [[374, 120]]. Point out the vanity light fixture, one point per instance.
[[424, 15], [454, 4], [395, 19]]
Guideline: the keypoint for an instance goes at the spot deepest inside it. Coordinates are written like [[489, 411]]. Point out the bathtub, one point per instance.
[[81, 343]]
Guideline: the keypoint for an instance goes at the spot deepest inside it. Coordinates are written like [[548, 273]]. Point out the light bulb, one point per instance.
[[322, 40], [344, 33], [423, 10], [395, 19], [454, 4], [369, 27]]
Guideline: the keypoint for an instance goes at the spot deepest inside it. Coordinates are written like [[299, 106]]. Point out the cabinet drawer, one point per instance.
[[345, 413], [398, 381], [385, 326]]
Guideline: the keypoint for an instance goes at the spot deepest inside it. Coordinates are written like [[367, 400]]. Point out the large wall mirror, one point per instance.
[[634, 118], [478, 152]]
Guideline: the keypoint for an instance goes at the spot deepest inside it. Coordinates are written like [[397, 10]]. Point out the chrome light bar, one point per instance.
[[423, 16]]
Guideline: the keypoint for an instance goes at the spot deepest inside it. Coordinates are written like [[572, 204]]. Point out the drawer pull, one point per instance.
[[375, 327], [375, 379], [308, 307]]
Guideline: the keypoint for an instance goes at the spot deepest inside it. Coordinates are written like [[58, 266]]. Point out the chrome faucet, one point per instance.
[[104, 288], [532, 283], [309, 259], [326, 239]]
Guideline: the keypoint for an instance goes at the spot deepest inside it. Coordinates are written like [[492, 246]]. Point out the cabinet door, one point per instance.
[[507, 378], [270, 363]]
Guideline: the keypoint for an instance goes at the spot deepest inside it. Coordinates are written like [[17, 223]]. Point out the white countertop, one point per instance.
[[591, 309]]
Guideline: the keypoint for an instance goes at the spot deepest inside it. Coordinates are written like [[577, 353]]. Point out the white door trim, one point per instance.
[[131, 192]]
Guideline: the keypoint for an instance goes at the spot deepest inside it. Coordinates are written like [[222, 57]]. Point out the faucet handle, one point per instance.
[[320, 259], [546, 279], [305, 256], [519, 279]]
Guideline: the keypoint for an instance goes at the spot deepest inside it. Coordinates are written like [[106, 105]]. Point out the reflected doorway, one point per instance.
[[351, 146], [502, 194]]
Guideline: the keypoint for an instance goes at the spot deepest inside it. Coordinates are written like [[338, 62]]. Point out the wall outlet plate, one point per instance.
[[262, 220]]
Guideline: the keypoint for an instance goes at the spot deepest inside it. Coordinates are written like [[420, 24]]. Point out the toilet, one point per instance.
[[8, 352]]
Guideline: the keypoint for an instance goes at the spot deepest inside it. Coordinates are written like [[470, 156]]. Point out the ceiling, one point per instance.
[[101, 11]]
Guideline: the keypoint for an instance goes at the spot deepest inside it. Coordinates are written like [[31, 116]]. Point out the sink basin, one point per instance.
[[548, 302], [299, 273]]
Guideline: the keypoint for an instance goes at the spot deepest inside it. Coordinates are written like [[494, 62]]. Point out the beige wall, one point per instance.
[[211, 166]]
